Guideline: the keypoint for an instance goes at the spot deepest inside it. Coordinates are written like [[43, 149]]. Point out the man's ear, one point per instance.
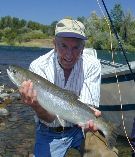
[[82, 51], [83, 46]]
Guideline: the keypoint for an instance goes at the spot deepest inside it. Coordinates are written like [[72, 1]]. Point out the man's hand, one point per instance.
[[90, 126], [28, 95]]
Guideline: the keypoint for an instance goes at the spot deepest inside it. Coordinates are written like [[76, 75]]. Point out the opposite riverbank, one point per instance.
[[41, 43], [47, 43]]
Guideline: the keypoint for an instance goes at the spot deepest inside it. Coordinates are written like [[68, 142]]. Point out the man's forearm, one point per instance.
[[43, 114]]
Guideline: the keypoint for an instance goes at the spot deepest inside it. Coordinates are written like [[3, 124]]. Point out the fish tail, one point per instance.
[[111, 135]]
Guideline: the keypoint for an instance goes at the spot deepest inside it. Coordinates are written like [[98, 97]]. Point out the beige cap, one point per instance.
[[70, 28]]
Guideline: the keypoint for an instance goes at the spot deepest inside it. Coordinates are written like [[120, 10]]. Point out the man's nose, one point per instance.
[[69, 53]]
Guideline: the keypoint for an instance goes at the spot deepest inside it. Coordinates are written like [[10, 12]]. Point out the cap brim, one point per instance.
[[71, 35]]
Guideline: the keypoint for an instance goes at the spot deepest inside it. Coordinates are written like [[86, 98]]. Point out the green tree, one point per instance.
[[33, 25], [22, 23], [92, 24], [125, 29], [5, 22], [117, 15], [10, 36], [15, 23], [51, 28], [81, 19], [1, 35], [131, 34]]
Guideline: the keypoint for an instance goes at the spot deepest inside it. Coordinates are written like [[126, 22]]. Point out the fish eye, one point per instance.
[[14, 71]]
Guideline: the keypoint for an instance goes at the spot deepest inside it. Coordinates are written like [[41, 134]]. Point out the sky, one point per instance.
[[48, 11]]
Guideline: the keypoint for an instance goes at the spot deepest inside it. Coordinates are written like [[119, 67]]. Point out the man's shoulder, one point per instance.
[[90, 52], [90, 57]]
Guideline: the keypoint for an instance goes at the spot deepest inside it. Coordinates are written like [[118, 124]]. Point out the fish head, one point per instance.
[[16, 74]]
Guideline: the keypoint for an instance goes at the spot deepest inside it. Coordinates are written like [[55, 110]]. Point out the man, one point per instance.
[[69, 67]]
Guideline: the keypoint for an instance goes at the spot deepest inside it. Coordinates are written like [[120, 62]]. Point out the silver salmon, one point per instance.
[[61, 102]]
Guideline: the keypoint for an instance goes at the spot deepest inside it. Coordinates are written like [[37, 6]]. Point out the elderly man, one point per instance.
[[69, 67]]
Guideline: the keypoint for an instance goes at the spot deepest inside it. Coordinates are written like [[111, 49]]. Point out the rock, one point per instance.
[[4, 96], [13, 119], [4, 112], [1, 88]]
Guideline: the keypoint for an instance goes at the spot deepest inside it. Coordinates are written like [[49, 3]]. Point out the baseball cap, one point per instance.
[[70, 28]]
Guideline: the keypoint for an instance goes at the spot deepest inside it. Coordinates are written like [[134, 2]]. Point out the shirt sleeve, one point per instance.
[[36, 68], [90, 92], [43, 65]]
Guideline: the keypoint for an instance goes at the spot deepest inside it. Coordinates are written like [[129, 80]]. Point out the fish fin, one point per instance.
[[83, 131], [91, 106], [61, 121]]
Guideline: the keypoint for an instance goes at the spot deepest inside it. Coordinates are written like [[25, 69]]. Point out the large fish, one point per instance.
[[61, 102]]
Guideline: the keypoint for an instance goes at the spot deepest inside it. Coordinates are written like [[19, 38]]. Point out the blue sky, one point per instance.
[[47, 11]]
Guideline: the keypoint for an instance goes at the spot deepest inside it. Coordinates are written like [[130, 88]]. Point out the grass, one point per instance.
[[46, 43]]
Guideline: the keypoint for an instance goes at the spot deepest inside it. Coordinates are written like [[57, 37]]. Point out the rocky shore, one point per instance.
[[16, 127]]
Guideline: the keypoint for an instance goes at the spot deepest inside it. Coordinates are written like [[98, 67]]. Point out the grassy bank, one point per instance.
[[45, 43]]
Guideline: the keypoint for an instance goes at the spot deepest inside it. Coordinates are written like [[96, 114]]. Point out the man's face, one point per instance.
[[68, 50]]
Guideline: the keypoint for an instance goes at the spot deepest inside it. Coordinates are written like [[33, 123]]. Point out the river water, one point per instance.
[[23, 57], [19, 56]]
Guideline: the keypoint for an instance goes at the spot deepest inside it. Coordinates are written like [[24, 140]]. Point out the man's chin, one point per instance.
[[67, 67]]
